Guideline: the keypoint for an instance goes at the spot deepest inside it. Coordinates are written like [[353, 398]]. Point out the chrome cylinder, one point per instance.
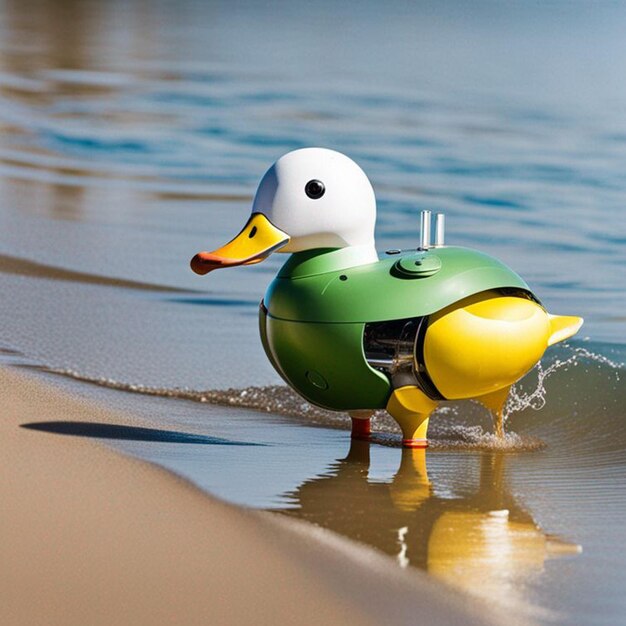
[[425, 230], [440, 229]]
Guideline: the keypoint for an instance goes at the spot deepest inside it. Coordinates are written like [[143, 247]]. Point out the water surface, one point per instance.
[[133, 135]]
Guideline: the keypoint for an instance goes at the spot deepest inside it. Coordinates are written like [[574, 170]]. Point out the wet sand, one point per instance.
[[92, 537]]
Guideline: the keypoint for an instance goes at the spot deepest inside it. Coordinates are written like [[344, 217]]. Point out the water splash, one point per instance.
[[535, 399], [463, 437]]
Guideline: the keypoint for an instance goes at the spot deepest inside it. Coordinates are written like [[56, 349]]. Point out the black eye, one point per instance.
[[314, 189]]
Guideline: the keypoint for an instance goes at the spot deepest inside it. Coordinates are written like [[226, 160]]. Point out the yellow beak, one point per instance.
[[257, 240]]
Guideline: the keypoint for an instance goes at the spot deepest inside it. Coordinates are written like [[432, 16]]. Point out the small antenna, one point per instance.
[[425, 230], [440, 229]]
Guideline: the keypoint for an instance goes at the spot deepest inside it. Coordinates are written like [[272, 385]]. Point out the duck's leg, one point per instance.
[[411, 408], [495, 402], [361, 424]]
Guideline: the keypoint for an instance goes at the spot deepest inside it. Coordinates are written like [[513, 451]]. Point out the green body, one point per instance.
[[316, 309]]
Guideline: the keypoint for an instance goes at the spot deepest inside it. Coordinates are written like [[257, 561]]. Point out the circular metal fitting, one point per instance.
[[419, 265]]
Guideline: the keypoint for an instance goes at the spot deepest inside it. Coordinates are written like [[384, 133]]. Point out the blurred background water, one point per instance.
[[134, 133]]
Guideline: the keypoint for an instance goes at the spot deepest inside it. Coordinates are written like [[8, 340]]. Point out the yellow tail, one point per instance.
[[563, 327]]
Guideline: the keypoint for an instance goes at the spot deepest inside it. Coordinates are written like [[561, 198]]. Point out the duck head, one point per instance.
[[313, 198]]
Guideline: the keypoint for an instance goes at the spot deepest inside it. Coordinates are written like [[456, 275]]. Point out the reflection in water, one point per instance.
[[482, 539]]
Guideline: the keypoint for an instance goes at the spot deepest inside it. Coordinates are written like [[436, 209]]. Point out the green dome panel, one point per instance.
[[311, 288]]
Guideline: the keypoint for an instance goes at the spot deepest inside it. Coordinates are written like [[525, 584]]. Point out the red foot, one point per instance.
[[415, 443], [361, 428]]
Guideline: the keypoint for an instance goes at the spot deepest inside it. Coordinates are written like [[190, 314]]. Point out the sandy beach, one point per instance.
[[92, 537]]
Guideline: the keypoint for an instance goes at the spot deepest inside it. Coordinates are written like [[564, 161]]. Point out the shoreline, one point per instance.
[[90, 536]]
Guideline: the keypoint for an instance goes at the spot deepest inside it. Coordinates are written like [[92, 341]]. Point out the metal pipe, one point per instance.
[[425, 230], [380, 362], [440, 229]]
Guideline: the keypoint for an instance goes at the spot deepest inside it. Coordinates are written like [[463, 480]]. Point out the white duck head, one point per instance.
[[313, 198]]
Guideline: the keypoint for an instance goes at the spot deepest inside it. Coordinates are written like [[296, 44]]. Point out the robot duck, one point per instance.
[[352, 332]]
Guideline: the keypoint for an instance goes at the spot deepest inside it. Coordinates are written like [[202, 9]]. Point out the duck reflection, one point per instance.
[[482, 539]]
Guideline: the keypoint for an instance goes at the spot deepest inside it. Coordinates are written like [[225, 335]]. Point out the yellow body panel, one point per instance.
[[484, 343]]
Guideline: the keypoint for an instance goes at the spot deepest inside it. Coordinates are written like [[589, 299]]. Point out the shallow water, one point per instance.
[[133, 135], [534, 525]]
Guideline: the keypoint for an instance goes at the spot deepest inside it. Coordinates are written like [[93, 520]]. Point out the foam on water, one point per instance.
[[446, 433]]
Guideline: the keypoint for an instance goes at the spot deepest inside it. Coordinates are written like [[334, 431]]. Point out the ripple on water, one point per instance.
[[453, 426]]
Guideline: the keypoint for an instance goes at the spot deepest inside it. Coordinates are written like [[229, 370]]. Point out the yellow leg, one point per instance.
[[495, 402], [411, 408]]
